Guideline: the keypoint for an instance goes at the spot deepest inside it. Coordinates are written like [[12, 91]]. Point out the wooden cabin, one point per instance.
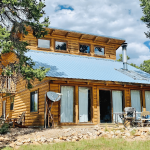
[[84, 69]]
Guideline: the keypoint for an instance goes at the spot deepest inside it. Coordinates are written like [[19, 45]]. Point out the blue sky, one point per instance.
[[114, 18]]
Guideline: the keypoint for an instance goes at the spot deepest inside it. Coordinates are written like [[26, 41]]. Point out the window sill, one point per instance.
[[64, 51], [46, 49], [87, 54], [34, 112], [103, 56]]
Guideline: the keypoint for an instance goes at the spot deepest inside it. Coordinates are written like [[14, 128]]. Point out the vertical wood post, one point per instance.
[[143, 98], [76, 105]]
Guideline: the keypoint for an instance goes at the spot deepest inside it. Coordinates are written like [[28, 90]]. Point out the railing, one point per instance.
[[8, 84]]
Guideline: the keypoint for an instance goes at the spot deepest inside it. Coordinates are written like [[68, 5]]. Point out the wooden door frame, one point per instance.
[[105, 89]]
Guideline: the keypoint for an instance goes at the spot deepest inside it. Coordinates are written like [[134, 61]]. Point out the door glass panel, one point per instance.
[[147, 100], [135, 100], [117, 103], [67, 103], [84, 104]]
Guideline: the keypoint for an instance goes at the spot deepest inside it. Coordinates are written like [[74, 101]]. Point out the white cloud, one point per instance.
[[105, 17]]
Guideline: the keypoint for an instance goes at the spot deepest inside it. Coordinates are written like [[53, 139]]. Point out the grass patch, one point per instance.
[[96, 144]]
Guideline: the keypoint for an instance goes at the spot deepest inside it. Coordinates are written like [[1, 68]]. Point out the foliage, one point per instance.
[[4, 128], [15, 17], [145, 4], [134, 65], [120, 59], [145, 66]]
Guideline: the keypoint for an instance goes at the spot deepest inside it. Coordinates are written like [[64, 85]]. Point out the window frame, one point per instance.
[[43, 47], [12, 98], [36, 91], [101, 47], [57, 50], [86, 45]]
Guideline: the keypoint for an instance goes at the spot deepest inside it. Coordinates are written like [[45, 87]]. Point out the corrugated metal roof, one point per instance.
[[82, 67], [87, 33]]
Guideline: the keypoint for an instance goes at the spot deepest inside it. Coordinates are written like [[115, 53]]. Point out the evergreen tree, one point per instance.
[[15, 17], [145, 4]]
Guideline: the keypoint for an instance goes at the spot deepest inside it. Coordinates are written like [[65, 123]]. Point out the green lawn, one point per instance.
[[97, 144]]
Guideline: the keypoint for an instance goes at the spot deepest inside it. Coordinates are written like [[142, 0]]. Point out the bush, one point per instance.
[[4, 128]]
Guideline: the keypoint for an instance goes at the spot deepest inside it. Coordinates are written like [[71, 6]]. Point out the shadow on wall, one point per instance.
[[38, 121], [53, 70]]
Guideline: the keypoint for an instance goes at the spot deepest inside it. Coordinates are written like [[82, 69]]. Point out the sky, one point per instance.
[[114, 18]]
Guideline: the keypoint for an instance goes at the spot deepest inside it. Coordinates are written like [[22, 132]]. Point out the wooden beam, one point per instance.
[[52, 32], [108, 41], [81, 36], [141, 86], [125, 85], [95, 38], [67, 34]]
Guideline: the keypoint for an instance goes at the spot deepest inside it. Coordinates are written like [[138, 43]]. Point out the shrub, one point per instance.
[[4, 128]]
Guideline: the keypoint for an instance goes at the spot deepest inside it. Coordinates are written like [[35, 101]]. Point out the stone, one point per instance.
[[73, 140], [117, 132], [127, 134], [43, 139], [56, 140], [64, 138], [19, 143], [35, 143], [106, 135], [111, 132], [74, 137], [68, 140], [11, 144], [137, 134], [89, 133], [50, 140]]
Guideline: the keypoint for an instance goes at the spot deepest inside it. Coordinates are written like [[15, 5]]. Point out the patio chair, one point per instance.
[[18, 122], [129, 116]]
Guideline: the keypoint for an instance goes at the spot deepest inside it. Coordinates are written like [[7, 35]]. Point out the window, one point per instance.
[[11, 102], [60, 45], [43, 43], [84, 48], [99, 50], [34, 101]]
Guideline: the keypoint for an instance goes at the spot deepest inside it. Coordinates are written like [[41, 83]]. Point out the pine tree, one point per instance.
[[15, 17]]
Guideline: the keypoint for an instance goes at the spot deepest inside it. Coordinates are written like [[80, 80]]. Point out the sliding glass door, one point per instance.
[[67, 103]]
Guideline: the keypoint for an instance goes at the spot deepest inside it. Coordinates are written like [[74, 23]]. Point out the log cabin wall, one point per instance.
[[22, 100], [56, 86], [73, 40], [22, 103]]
